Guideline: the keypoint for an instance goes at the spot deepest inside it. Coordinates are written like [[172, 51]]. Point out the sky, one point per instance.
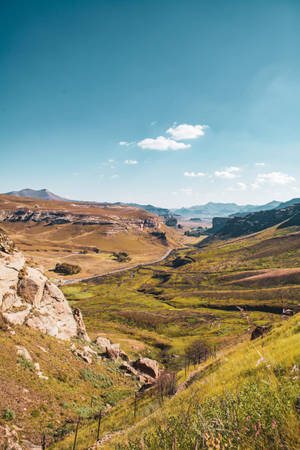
[[169, 102]]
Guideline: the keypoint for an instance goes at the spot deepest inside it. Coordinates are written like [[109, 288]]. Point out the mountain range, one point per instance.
[[206, 211], [45, 194]]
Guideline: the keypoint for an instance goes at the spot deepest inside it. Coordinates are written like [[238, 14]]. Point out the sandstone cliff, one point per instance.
[[28, 297]]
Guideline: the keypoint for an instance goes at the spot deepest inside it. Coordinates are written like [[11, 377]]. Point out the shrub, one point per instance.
[[67, 269], [121, 256], [197, 352], [98, 380], [26, 363], [8, 414]]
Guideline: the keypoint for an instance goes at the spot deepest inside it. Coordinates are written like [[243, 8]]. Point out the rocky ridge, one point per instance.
[[27, 297], [55, 217]]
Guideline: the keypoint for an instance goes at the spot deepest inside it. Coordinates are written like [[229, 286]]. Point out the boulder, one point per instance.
[[81, 330], [22, 351], [147, 366], [113, 351], [103, 342], [123, 355], [260, 331]]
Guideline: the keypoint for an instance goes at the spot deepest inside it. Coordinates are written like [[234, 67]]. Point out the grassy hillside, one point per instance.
[[246, 397], [165, 308], [38, 406], [250, 399]]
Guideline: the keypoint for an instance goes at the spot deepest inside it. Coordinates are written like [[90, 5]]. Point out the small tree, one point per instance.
[[121, 256], [166, 384], [197, 352]]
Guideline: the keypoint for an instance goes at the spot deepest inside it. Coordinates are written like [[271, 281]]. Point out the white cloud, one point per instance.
[[130, 161], [194, 174], [260, 164], [126, 144], [115, 176], [111, 160], [185, 131], [272, 178], [162, 143], [228, 173]]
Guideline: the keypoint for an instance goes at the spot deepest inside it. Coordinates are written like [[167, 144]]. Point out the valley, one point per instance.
[[85, 234], [215, 292]]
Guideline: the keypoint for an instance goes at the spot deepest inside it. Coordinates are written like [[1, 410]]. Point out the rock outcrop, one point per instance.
[[147, 366], [28, 297], [146, 370], [55, 217]]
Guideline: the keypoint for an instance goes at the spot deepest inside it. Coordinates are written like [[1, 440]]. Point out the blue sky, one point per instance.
[[204, 97]]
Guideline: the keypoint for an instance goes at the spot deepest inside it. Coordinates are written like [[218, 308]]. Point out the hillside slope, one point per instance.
[[245, 399], [257, 221]]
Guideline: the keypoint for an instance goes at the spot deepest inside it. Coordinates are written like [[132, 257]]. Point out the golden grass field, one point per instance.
[[74, 243]]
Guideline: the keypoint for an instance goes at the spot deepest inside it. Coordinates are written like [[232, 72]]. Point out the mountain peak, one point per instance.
[[41, 194]]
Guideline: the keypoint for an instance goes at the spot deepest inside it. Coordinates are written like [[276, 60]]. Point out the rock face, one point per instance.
[[28, 297], [81, 330], [53, 217], [147, 366]]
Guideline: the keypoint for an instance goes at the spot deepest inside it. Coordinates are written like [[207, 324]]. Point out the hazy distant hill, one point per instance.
[[294, 201], [210, 210], [42, 194], [149, 208]]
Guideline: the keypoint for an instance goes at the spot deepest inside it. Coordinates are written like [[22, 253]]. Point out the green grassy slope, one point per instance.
[[250, 401], [51, 406], [165, 308]]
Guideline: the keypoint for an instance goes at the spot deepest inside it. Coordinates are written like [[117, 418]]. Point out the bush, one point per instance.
[[121, 256], [197, 352], [67, 269], [26, 363], [8, 414], [98, 380]]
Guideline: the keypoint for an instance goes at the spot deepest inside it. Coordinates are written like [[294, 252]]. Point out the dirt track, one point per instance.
[[94, 277]]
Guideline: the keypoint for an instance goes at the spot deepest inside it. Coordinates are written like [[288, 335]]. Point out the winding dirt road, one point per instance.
[[94, 277]]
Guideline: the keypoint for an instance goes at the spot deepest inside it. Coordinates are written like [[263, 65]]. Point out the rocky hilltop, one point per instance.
[[53, 217], [258, 221], [28, 297]]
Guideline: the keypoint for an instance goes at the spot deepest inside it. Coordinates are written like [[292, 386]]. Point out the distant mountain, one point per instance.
[[257, 221], [45, 194], [149, 208], [42, 194], [210, 210], [294, 201]]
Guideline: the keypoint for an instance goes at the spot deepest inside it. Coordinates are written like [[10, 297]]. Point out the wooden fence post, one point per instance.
[[99, 424], [76, 432], [135, 401]]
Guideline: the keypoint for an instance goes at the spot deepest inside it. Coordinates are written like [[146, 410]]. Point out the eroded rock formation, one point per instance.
[[28, 297]]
